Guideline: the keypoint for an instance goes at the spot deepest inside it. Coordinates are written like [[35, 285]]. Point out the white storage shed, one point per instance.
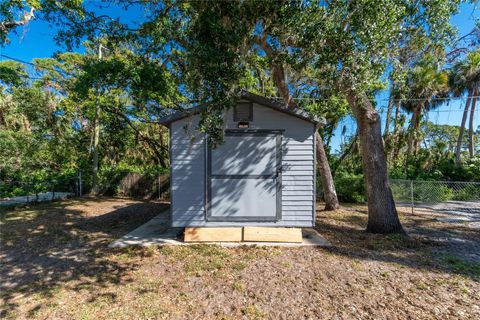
[[262, 175]]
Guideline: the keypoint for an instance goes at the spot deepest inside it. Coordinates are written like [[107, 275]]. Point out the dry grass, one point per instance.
[[56, 264]]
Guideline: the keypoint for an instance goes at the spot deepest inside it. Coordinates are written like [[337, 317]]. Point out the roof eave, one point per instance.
[[253, 98]]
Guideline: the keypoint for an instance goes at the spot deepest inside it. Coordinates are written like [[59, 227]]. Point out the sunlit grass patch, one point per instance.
[[357, 265], [421, 285], [239, 265], [131, 252], [20, 215], [252, 312], [85, 279], [197, 266], [205, 250], [238, 286], [200, 258]]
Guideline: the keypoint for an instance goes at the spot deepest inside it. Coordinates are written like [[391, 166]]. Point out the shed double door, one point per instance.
[[244, 177]]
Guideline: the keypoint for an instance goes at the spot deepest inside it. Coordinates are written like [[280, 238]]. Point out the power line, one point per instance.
[[29, 63], [30, 77]]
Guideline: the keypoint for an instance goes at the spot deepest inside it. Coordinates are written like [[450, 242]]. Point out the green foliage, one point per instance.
[[189, 53], [426, 193], [350, 187], [16, 13], [426, 80], [467, 193], [402, 191], [465, 73], [45, 138], [12, 73], [428, 165]]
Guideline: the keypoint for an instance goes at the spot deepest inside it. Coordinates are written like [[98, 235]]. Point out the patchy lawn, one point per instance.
[[55, 263]]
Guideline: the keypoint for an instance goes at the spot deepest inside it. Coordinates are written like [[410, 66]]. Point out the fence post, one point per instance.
[[79, 183], [159, 186], [411, 194]]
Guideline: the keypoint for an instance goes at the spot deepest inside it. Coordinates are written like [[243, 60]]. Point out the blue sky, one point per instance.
[[450, 113], [36, 40]]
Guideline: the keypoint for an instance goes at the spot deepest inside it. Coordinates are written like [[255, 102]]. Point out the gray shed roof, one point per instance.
[[245, 95]]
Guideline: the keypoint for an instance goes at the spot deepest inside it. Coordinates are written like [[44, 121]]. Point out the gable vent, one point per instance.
[[243, 111]]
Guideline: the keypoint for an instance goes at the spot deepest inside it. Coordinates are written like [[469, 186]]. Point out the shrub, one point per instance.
[[401, 190], [350, 188], [17, 192], [431, 192], [468, 193]]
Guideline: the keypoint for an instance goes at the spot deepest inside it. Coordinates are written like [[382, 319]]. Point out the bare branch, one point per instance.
[[6, 26]]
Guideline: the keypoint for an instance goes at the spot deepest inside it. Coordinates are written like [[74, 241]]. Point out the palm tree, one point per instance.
[[474, 75], [471, 138], [426, 84], [465, 78]]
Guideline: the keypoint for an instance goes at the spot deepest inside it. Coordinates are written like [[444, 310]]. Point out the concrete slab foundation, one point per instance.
[[157, 232]]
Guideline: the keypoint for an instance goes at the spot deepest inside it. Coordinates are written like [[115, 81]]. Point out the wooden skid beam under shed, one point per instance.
[[213, 234], [247, 234], [265, 234]]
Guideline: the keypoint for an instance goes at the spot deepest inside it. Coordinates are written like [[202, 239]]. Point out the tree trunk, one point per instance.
[[278, 73], [382, 214], [415, 125], [458, 149], [279, 78], [416, 130], [330, 195], [96, 140], [96, 133], [471, 142]]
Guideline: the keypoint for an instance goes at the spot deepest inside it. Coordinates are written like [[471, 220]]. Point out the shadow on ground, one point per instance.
[[59, 243], [64, 245], [431, 244]]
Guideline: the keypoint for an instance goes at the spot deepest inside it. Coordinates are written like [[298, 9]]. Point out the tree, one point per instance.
[[427, 84], [465, 78], [282, 85], [355, 39], [11, 16], [47, 121], [471, 137], [412, 47], [441, 137], [18, 13], [349, 42], [149, 28]]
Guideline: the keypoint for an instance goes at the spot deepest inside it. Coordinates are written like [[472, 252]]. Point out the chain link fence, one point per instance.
[[449, 197], [115, 183], [452, 197]]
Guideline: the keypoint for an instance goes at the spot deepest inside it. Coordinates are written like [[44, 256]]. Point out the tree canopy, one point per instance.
[[329, 58]]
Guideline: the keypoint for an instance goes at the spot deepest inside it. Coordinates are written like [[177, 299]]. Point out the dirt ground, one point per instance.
[[56, 264]]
